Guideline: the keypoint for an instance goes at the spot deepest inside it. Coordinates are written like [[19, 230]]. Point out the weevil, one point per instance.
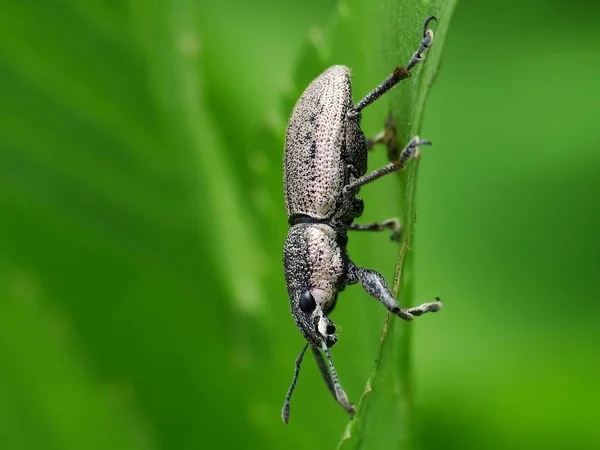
[[324, 167]]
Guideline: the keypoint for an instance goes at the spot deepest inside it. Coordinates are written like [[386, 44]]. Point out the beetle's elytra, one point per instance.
[[325, 164]]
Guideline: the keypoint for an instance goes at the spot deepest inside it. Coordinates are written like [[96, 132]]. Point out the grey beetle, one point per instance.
[[325, 164]]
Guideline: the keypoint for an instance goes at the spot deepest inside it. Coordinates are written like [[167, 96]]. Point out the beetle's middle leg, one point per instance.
[[392, 224], [410, 151]]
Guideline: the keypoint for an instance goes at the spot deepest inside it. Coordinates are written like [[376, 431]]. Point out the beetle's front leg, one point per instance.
[[375, 285], [389, 224]]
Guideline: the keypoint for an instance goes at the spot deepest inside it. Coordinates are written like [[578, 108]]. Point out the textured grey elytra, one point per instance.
[[315, 162], [325, 162]]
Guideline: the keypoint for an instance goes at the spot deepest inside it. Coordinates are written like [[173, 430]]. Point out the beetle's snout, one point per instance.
[[331, 340], [326, 328]]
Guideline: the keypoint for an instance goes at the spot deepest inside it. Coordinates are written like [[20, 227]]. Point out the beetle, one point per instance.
[[325, 164]]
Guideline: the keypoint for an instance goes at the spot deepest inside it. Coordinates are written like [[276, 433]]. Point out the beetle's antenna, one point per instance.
[[285, 412], [399, 73], [324, 371], [340, 395]]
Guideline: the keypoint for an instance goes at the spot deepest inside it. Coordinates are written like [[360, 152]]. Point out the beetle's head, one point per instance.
[[314, 266]]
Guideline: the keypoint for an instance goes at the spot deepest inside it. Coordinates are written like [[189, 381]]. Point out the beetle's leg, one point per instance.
[[388, 137], [389, 224], [417, 56], [410, 151], [379, 138], [399, 73], [331, 380], [376, 287]]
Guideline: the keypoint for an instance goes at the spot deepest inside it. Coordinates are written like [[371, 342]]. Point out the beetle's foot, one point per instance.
[[392, 224], [411, 150], [425, 308], [419, 55], [409, 314]]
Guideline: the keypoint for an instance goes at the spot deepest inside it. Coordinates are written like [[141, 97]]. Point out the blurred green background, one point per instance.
[[142, 303]]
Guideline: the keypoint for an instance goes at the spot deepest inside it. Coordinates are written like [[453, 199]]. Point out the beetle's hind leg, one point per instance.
[[399, 73], [375, 285], [392, 224]]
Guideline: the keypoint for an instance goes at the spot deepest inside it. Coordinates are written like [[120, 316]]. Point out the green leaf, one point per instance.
[[103, 193], [372, 38], [137, 195], [47, 385], [135, 214]]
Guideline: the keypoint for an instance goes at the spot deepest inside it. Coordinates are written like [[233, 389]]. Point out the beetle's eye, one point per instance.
[[307, 302], [330, 328]]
